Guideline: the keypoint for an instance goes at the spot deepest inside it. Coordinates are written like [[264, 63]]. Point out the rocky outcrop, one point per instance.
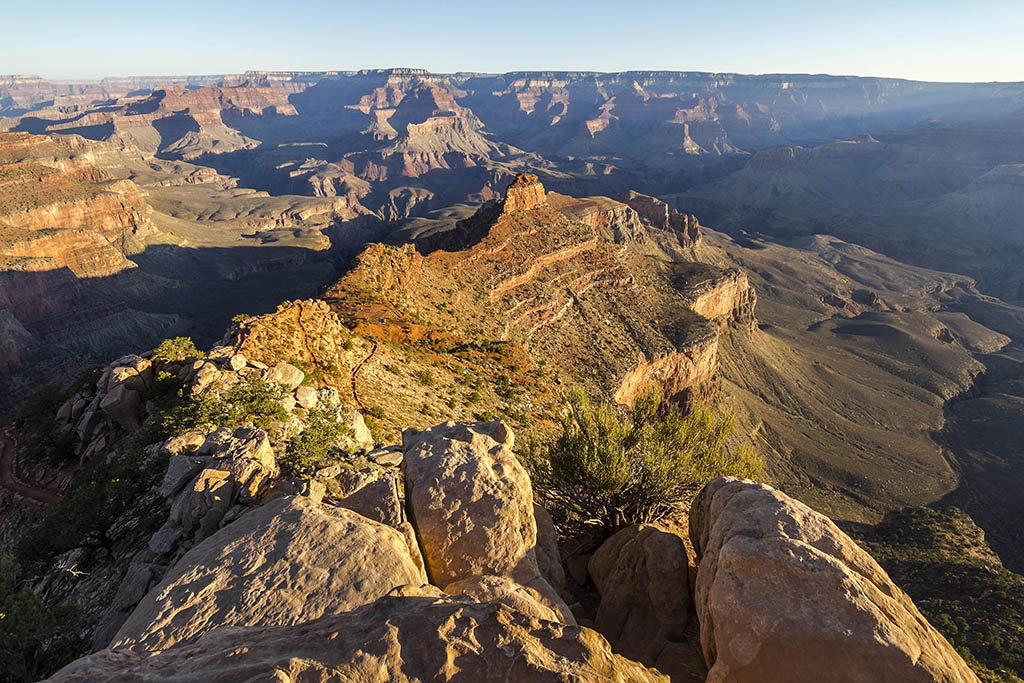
[[642, 575], [783, 594], [404, 638], [523, 194], [675, 372], [287, 562], [657, 213], [727, 296], [472, 506]]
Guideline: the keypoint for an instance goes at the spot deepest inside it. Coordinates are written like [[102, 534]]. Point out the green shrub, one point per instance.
[[316, 447], [425, 377], [609, 467], [176, 350], [251, 401], [41, 442], [36, 638]]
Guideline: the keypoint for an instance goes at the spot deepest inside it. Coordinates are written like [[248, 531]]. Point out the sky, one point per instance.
[[938, 40]]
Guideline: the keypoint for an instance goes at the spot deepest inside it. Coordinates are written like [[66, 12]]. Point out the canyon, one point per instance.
[[833, 260]]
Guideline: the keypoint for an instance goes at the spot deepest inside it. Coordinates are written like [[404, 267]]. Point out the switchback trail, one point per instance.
[[355, 371], [8, 471]]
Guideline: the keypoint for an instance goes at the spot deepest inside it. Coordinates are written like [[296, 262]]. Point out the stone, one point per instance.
[[207, 500], [221, 353], [287, 562], [237, 362], [88, 423], [189, 442], [205, 375], [471, 503], [249, 458], [413, 544], [123, 405], [306, 397], [134, 371], [133, 587], [180, 469], [216, 440], [166, 539], [642, 575], [388, 457], [358, 437], [328, 397], [288, 403], [549, 559], [329, 472], [783, 594], [506, 591], [285, 374], [376, 497], [523, 194], [399, 638]]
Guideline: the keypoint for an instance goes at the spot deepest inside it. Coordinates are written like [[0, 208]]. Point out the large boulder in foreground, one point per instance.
[[782, 594], [289, 561], [642, 575], [393, 639], [471, 502]]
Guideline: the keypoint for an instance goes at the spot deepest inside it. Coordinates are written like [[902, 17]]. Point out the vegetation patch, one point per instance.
[[176, 350], [940, 558], [36, 638], [251, 401], [316, 446], [609, 467]]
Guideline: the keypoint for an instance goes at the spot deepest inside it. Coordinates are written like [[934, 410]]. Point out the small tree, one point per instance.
[[609, 467], [176, 350], [316, 446]]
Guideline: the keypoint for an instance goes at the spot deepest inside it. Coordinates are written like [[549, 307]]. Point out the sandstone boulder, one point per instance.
[[374, 494], [287, 562], [782, 594], [123, 405], [397, 638], [642, 576], [549, 559], [471, 502], [306, 397], [285, 374]]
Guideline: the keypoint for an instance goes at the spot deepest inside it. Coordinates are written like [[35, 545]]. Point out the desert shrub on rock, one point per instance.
[[316, 446], [610, 467], [251, 400], [175, 350]]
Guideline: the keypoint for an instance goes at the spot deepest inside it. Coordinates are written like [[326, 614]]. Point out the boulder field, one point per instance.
[[465, 582]]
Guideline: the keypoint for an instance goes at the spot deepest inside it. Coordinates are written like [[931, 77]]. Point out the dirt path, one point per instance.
[[355, 371], [8, 471]]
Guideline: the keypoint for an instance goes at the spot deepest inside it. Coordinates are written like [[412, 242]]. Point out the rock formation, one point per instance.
[[783, 594], [393, 639], [287, 562], [641, 574]]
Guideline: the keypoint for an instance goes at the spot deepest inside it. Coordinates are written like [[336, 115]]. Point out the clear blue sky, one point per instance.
[[938, 40]]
